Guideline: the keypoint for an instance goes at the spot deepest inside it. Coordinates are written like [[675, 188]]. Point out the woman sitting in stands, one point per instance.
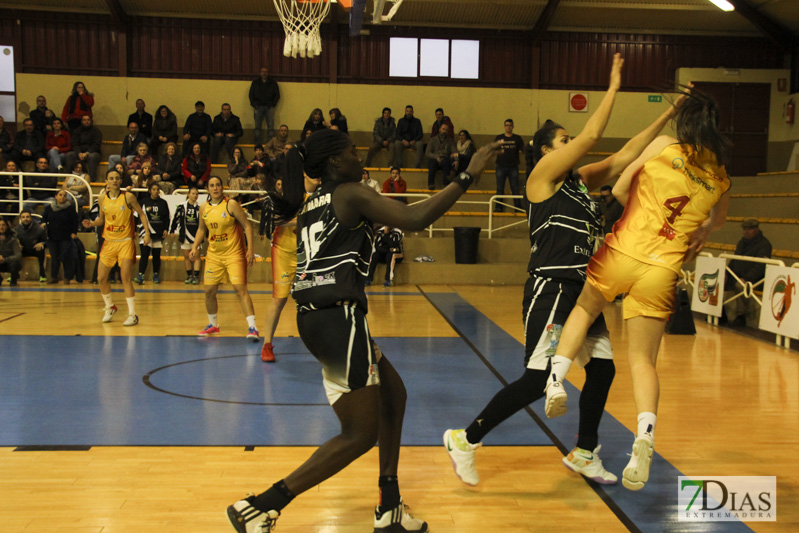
[[338, 121], [314, 123], [165, 129], [170, 166], [466, 150], [196, 167]]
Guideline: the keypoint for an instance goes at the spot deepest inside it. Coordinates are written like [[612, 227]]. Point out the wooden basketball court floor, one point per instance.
[[106, 429]]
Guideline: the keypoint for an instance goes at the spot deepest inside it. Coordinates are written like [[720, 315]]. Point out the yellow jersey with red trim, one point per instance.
[[118, 217], [671, 197], [225, 235]]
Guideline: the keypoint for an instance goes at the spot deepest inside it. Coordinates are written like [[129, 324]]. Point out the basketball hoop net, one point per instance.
[[301, 21]]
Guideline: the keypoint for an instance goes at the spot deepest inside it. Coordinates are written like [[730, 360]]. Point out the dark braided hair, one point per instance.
[[311, 157], [697, 125]]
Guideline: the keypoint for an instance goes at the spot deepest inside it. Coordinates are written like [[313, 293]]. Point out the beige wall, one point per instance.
[[481, 111]]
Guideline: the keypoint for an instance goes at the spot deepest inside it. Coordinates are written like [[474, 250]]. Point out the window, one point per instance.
[[7, 85], [434, 58]]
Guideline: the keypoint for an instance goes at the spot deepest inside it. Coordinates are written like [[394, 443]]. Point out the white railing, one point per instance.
[[20, 187]]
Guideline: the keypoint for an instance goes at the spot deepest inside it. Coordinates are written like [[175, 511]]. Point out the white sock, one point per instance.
[[646, 424], [213, 320], [107, 300], [560, 367], [131, 305], [251, 322]]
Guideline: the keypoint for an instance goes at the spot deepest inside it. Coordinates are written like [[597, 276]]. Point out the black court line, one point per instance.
[[12, 316], [612, 505], [146, 380], [53, 448]]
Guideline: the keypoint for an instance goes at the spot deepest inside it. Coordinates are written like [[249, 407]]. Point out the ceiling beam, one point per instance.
[[543, 22], [780, 35], [117, 14]]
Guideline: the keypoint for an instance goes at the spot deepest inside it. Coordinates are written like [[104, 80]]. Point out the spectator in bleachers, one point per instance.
[[142, 156], [610, 208], [9, 194], [752, 244], [260, 163], [165, 129], [264, 95], [58, 144], [441, 118], [42, 117], [338, 121], [130, 145], [79, 104], [196, 167], [32, 239], [409, 135], [198, 129], [87, 142], [314, 123], [10, 252], [237, 169], [395, 184], [367, 180], [157, 212], [122, 169], [28, 144], [146, 178], [275, 145], [170, 166], [143, 119], [6, 142], [507, 165], [37, 179], [384, 134], [61, 220], [465, 149], [227, 131], [439, 156], [78, 188]]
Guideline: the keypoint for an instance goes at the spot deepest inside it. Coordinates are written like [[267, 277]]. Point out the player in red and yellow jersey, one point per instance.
[[116, 213], [284, 268], [228, 256], [675, 193]]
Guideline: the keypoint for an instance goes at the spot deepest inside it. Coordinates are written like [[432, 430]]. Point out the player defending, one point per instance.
[[116, 214], [227, 258]]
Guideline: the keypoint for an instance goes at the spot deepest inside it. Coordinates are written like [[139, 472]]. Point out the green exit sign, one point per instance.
[[655, 98]]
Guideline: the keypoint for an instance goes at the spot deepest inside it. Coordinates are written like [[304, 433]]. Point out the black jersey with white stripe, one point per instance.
[[332, 259], [186, 222], [563, 229]]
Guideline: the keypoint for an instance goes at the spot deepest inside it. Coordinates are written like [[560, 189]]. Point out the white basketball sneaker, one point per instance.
[[132, 320], [108, 313], [590, 465], [398, 520], [636, 473], [556, 399], [461, 452], [247, 519]]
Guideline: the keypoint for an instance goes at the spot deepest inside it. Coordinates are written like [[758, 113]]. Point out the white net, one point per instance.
[[301, 22]]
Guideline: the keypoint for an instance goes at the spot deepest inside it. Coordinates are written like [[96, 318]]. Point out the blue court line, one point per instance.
[[651, 510], [93, 288]]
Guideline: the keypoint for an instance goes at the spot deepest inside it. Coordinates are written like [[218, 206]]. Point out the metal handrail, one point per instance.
[[20, 188]]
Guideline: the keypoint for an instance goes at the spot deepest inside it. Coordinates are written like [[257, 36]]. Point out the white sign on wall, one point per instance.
[[709, 285], [780, 314]]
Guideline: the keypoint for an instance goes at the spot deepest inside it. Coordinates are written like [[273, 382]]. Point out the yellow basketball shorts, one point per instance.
[[232, 268], [649, 288], [284, 268], [117, 251]]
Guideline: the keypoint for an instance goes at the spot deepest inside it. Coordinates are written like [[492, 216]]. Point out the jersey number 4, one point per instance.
[[675, 205]]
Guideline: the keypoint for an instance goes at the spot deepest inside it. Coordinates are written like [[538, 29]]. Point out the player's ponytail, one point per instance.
[[312, 157], [544, 137], [697, 125]]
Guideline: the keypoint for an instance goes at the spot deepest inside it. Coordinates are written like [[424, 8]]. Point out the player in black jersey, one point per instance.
[[334, 246], [564, 223], [186, 222]]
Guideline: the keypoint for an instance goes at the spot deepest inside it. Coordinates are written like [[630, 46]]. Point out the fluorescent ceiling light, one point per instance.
[[724, 5]]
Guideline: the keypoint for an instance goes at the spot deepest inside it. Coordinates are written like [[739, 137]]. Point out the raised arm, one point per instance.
[[597, 174], [557, 163]]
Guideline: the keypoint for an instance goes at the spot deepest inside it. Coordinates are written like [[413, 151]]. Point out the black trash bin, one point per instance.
[[466, 240]]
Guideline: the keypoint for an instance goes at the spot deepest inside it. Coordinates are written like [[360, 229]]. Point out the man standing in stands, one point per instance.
[[143, 119], [508, 163], [198, 129], [227, 130], [264, 95]]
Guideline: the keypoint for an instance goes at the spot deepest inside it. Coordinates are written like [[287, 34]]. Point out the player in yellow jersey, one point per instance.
[[228, 256], [675, 193], [284, 268], [116, 213]]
